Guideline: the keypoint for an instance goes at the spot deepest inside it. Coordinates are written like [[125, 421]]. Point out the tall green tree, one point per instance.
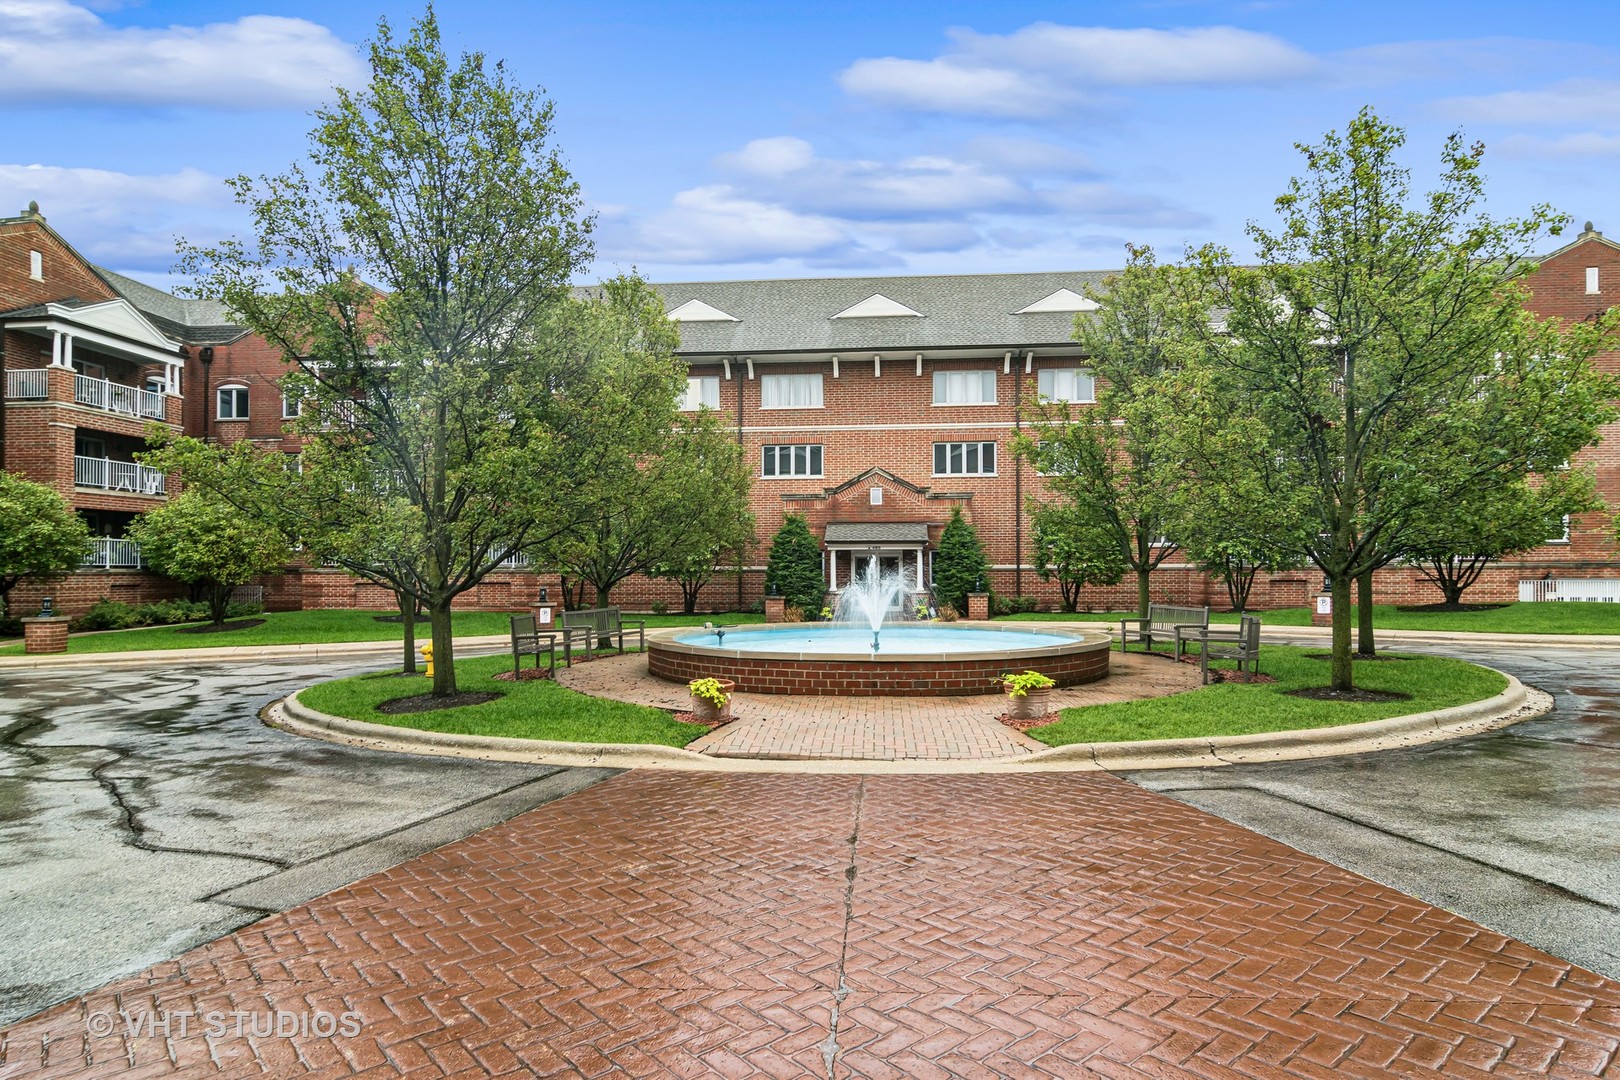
[[1076, 548], [204, 541], [40, 535], [435, 183], [1110, 460], [794, 566], [960, 565], [1454, 545], [1380, 339]]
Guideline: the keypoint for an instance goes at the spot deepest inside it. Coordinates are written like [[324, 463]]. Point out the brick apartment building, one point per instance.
[[871, 405]]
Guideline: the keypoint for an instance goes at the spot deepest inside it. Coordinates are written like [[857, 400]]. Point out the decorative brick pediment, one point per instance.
[[901, 500]]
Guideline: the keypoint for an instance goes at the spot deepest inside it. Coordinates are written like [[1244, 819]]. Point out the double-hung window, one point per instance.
[[233, 403], [701, 391], [964, 388], [790, 391], [792, 459], [1563, 533], [1066, 384], [964, 459]]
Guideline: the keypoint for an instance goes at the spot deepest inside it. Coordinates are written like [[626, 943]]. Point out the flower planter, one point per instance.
[[705, 711], [1030, 705]]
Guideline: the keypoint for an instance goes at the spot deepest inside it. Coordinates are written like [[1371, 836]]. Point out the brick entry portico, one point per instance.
[[770, 925]]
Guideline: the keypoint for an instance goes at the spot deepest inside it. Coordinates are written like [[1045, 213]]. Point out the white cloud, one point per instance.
[[781, 202], [786, 170], [1573, 101], [121, 218], [1046, 68], [56, 52], [716, 224]]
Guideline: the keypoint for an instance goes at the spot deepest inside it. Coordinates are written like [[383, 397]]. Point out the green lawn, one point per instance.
[[528, 710], [1238, 709], [1517, 618], [323, 627]]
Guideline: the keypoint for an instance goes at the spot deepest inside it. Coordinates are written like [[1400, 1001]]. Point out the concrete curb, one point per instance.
[[334, 650], [1515, 704]]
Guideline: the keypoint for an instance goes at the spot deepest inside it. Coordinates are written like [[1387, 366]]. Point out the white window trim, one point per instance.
[[297, 404], [218, 390], [686, 402], [1561, 539], [1078, 370], [1593, 281], [816, 375], [763, 475], [965, 442], [995, 391]]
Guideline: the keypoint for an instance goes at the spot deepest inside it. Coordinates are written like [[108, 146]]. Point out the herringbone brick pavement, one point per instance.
[[911, 926]]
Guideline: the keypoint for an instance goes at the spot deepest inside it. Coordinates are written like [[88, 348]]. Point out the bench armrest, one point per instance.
[[1137, 621]]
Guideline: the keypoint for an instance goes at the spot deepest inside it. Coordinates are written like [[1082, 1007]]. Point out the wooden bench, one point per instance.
[[1241, 644], [601, 628], [1161, 623], [528, 639]]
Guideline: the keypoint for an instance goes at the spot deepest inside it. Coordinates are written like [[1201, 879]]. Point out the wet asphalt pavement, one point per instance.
[[1517, 829], [143, 812]]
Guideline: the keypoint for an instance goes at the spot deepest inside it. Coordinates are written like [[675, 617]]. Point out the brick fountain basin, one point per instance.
[[932, 661]]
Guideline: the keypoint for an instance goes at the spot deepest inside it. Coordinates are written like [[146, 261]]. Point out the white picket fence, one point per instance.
[[1585, 590]]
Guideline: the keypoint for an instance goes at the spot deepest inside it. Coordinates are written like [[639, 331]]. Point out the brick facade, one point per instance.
[[876, 428]]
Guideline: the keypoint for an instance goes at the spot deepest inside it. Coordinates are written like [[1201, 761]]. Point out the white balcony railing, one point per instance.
[[1590, 590], [95, 472], [118, 398], [112, 554], [28, 384]]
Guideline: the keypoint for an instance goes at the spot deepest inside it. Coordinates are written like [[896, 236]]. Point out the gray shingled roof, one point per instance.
[[876, 532], [187, 320], [795, 314]]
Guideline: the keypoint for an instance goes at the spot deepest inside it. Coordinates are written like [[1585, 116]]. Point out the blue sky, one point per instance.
[[735, 140]]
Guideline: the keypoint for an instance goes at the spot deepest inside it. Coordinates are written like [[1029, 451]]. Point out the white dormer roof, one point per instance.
[[875, 306], [698, 311], [1062, 300]]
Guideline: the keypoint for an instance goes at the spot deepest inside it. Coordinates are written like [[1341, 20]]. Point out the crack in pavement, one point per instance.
[[829, 1048], [130, 821]]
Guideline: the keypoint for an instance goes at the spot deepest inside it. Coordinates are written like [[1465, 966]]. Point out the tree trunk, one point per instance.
[[219, 598], [444, 650], [1343, 672], [407, 622], [689, 596], [602, 595], [1142, 592], [1364, 615]]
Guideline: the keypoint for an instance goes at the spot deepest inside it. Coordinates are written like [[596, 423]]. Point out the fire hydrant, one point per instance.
[[427, 658]]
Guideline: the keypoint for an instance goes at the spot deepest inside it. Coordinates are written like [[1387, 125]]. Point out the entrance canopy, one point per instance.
[[876, 533], [897, 545]]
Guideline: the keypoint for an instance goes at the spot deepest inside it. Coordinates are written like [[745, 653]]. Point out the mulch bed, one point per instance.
[[1370, 697], [1450, 607], [692, 718], [527, 674], [210, 628], [1024, 723], [428, 703]]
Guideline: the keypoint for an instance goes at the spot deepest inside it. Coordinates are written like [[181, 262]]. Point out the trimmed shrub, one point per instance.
[[1013, 605], [960, 564], [794, 569]]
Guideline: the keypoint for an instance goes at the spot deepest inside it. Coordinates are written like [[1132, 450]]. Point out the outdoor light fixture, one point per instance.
[[771, 590], [46, 611], [544, 593]]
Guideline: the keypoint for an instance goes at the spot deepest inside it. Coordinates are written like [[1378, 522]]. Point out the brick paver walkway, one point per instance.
[[884, 729], [907, 926]]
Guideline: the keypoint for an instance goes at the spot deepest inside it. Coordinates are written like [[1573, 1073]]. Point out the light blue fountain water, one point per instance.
[[898, 639]]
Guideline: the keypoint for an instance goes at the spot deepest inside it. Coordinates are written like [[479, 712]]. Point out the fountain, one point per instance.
[[843, 657]]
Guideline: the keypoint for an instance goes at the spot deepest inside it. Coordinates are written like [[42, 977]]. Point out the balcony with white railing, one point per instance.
[[28, 384], [34, 384], [109, 475], [118, 398], [109, 553]]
